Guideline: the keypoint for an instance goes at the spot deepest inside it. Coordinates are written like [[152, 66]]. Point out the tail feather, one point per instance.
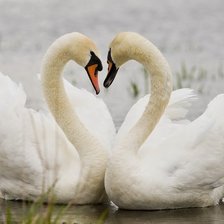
[[180, 102]]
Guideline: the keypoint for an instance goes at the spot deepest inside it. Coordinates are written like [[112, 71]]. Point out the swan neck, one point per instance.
[[161, 87], [92, 154]]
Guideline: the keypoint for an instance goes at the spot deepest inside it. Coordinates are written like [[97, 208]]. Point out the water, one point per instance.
[[110, 215], [187, 32]]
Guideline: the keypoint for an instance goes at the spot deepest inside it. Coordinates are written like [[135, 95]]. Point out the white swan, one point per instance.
[[149, 169], [69, 156]]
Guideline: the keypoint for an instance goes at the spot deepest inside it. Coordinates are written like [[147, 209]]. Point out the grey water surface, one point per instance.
[[106, 214], [189, 33]]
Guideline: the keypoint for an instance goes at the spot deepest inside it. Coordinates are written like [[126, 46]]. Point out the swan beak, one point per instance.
[[112, 71], [92, 71]]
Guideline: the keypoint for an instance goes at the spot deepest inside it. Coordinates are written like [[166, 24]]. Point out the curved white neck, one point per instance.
[[161, 88], [92, 154]]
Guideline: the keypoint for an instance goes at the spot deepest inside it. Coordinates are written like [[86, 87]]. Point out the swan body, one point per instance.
[[157, 162], [65, 153]]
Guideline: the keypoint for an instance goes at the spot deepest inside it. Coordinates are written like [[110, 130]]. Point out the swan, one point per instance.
[[67, 157], [157, 163]]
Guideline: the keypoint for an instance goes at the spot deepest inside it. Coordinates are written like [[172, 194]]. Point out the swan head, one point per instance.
[[125, 46], [85, 53], [78, 47], [92, 67]]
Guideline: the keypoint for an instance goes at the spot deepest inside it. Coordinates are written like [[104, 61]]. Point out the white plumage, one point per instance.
[[161, 160], [175, 113], [35, 153]]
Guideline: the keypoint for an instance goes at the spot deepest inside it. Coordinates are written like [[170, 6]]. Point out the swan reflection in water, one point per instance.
[[109, 214]]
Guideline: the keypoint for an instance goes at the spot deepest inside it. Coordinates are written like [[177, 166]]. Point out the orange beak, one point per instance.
[[93, 75]]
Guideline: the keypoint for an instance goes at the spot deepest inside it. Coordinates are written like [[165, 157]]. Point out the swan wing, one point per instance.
[[203, 149], [31, 143], [192, 156], [180, 103], [176, 110]]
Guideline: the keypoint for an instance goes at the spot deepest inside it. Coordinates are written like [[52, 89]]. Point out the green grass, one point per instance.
[[40, 213], [134, 89], [197, 78]]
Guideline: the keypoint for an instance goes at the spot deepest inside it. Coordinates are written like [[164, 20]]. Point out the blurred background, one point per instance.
[[189, 33]]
